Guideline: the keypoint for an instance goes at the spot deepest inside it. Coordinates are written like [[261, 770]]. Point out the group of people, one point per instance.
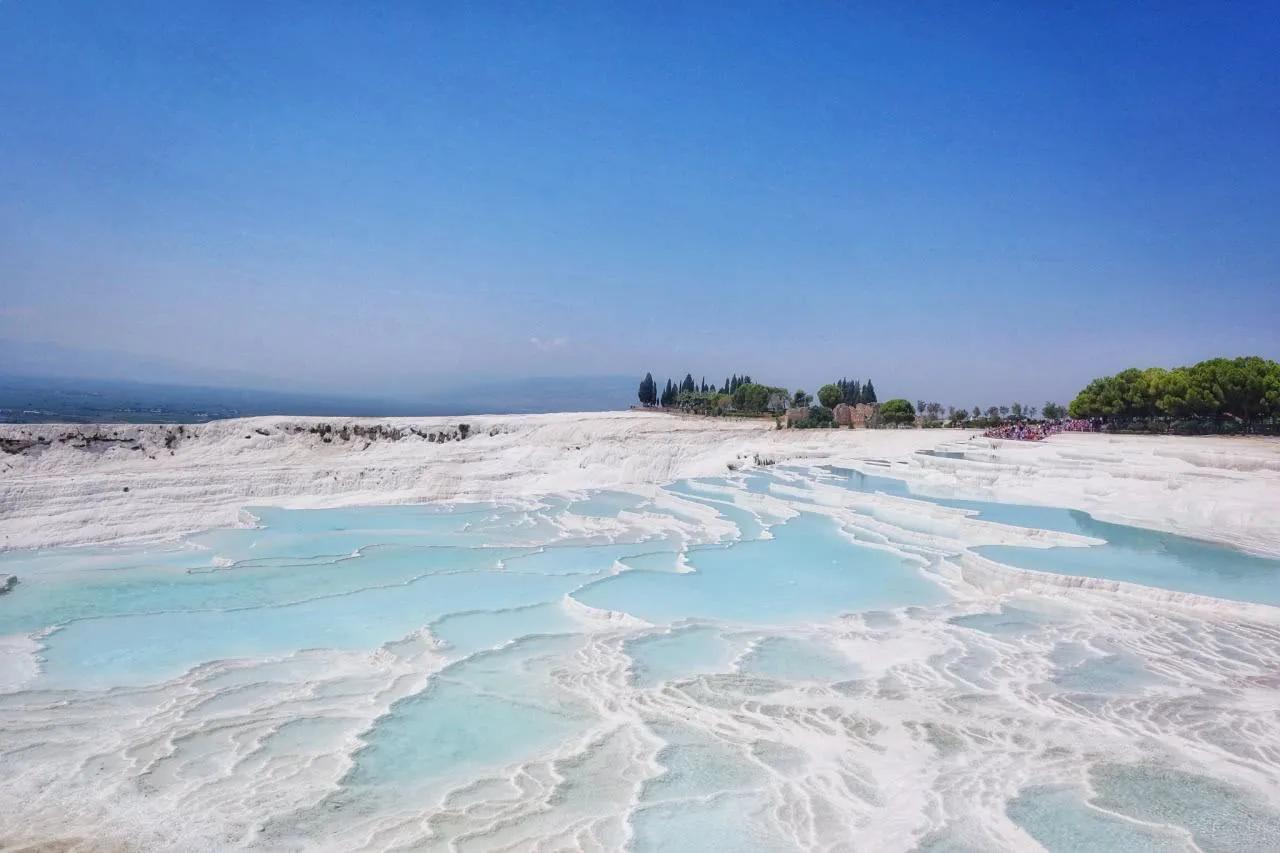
[[1039, 431]]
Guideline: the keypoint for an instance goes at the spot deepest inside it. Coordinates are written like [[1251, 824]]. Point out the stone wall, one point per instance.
[[854, 416], [797, 414]]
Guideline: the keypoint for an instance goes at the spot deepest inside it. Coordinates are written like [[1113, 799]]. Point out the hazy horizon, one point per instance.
[[37, 361], [974, 206]]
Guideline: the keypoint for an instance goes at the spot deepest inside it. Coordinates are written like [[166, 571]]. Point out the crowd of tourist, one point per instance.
[[1040, 431]]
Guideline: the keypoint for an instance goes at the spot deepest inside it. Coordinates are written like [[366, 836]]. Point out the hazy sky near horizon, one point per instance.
[[968, 202]]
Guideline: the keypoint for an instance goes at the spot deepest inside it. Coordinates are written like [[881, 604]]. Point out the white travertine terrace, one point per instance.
[[128, 485]]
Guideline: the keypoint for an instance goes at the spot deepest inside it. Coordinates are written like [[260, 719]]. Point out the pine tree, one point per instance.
[[868, 392]]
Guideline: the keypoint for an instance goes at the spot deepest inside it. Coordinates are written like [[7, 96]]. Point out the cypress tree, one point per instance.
[[648, 390], [868, 392]]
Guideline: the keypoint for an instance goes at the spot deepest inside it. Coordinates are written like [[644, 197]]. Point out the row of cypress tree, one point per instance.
[[852, 391], [650, 395]]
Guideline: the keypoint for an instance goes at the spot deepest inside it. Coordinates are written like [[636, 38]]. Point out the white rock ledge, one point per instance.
[[78, 484]]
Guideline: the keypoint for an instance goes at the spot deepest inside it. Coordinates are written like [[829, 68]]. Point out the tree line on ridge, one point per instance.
[[743, 395]]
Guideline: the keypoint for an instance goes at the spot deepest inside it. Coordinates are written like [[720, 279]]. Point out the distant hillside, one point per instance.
[[27, 399]]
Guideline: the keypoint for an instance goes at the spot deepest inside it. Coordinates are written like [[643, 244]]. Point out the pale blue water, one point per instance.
[[793, 659], [657, 658], [808, 571], [1218, 815], [748, 525], [1093, 671], [1064, 821], [470, 632], [1008, 620], [67, 595], [707, 797], [1155, 559], [655, 561], [488, 710], [607, 504], [582, 560], [1131, 554], [142, 648], [472, 674]]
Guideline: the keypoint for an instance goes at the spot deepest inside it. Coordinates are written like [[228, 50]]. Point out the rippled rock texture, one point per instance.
[[795, 657]]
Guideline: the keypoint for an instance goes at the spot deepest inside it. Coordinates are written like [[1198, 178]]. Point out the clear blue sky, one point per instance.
[[969, 202]]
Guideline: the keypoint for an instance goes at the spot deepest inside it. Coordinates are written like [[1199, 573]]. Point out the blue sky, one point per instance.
[[969, 202]]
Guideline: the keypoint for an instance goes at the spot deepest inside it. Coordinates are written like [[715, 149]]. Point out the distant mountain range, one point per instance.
[[33, 399], [46, 382]]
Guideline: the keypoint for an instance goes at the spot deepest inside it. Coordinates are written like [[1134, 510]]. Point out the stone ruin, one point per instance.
[[853, 416], [798, 413]]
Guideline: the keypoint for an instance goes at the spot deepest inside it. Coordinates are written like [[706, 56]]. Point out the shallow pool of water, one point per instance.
[[608, 671], [1131, 554]]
